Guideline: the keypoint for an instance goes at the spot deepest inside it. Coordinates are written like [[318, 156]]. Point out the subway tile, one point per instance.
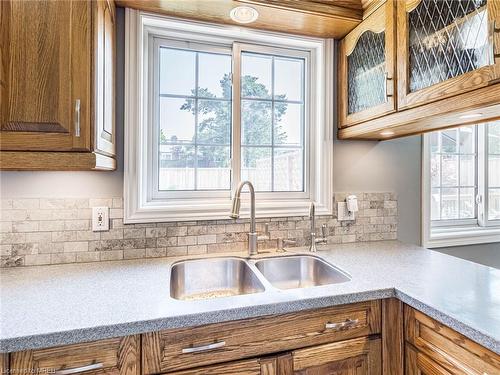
[[25, 226], [73, 247], [111, 255], [24, 248], [134, 253]]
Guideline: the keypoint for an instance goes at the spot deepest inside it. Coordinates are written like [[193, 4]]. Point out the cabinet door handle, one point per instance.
[[204, 348], [342, 325], [388, 93], [494, 30], [76, 370], [77, 117]]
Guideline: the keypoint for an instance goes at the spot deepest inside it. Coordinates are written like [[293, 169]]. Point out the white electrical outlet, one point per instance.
[[100, 219], [342, 212]]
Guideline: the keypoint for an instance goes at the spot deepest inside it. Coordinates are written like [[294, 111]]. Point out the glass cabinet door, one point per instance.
[[446, 47], [366, 68]]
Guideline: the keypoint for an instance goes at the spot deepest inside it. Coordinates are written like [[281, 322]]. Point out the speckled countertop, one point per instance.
[[55, 305]]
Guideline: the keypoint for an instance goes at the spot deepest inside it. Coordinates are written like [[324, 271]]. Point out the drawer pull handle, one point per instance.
[[204, 348], [94, 366], [349, 323]]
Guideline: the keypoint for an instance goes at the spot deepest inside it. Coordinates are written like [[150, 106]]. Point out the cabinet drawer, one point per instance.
[[175, 349], [113, 356], [449, 349]]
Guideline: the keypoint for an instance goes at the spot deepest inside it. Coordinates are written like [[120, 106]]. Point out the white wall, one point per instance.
[[358, 166]]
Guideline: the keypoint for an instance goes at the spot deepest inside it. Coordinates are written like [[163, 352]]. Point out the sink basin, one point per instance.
[[212, 278], [300, 271]]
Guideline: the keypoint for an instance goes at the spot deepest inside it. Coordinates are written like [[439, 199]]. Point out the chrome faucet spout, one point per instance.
[[235, 214]]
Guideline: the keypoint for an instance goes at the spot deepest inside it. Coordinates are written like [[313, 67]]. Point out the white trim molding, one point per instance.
[[139, 205]]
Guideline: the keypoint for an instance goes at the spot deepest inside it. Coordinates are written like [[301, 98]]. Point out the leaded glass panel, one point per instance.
[[366, 73], [447, 38]]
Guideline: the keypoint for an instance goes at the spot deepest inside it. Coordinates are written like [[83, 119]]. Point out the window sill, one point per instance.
[[461, 236], [196, 210]]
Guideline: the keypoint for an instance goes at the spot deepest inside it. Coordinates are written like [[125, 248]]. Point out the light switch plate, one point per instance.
[[100, 219], [343, 214]]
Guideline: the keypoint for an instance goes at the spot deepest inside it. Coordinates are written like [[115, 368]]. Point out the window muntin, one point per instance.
[[453, 174], [493, 170], [273, 121], [194, 120]]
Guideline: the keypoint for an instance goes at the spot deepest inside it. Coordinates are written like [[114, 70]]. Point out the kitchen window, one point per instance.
[[461, 185], [209, 106]]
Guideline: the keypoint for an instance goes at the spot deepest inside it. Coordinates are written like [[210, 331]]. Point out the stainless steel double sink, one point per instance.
[[199, 279]]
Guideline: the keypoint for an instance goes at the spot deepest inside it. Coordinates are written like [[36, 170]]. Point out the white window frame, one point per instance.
[[465, 231], [139, 205]]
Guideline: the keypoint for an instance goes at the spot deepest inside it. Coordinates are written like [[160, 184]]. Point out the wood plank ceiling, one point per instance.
[[319, 18]]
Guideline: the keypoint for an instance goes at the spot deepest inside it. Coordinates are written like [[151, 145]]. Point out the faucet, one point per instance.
[[314, 240], [235, 214]]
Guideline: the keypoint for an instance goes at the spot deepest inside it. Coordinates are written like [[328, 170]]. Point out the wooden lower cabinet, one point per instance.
[[419, 364], [361, 356], [432, 345], [256, 366], [117, 356]]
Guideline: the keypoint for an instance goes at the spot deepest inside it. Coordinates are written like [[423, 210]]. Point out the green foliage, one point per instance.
[[215, 128]]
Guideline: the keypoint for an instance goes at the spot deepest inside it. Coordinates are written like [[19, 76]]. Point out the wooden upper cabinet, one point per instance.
[[46, 70], [446, 48], [104, 76], [366, 71], [57, 85]]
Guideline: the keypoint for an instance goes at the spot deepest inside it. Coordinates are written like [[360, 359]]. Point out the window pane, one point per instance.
[[256, 76], [449, 141], [467, 203], [467, 170], [214, 122], [177, 71], [435, 204], [494, 204], [436, 170], [288, 79], [449, 204], [494, 171], [467, 139], [288, 165], [435, 138], [177, 120], [214, 168], [214, 75], [256, 122], [494, 137], [449, 170], [288, 124], [256, 164], [176, 169]]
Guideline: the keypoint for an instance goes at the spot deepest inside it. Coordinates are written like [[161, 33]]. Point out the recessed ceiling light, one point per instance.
[[471, 115], [244, 14], [386, 133]]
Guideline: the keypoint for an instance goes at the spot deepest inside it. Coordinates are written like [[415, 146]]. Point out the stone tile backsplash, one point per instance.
[[54, 231]]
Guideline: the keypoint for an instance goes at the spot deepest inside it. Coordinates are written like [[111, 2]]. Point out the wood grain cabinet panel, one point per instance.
[[177, 349], [46, 71], [366, 71], [361, 356], [57, 85], [419, 364], [450, 350], [120, 356], [258, 366]]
